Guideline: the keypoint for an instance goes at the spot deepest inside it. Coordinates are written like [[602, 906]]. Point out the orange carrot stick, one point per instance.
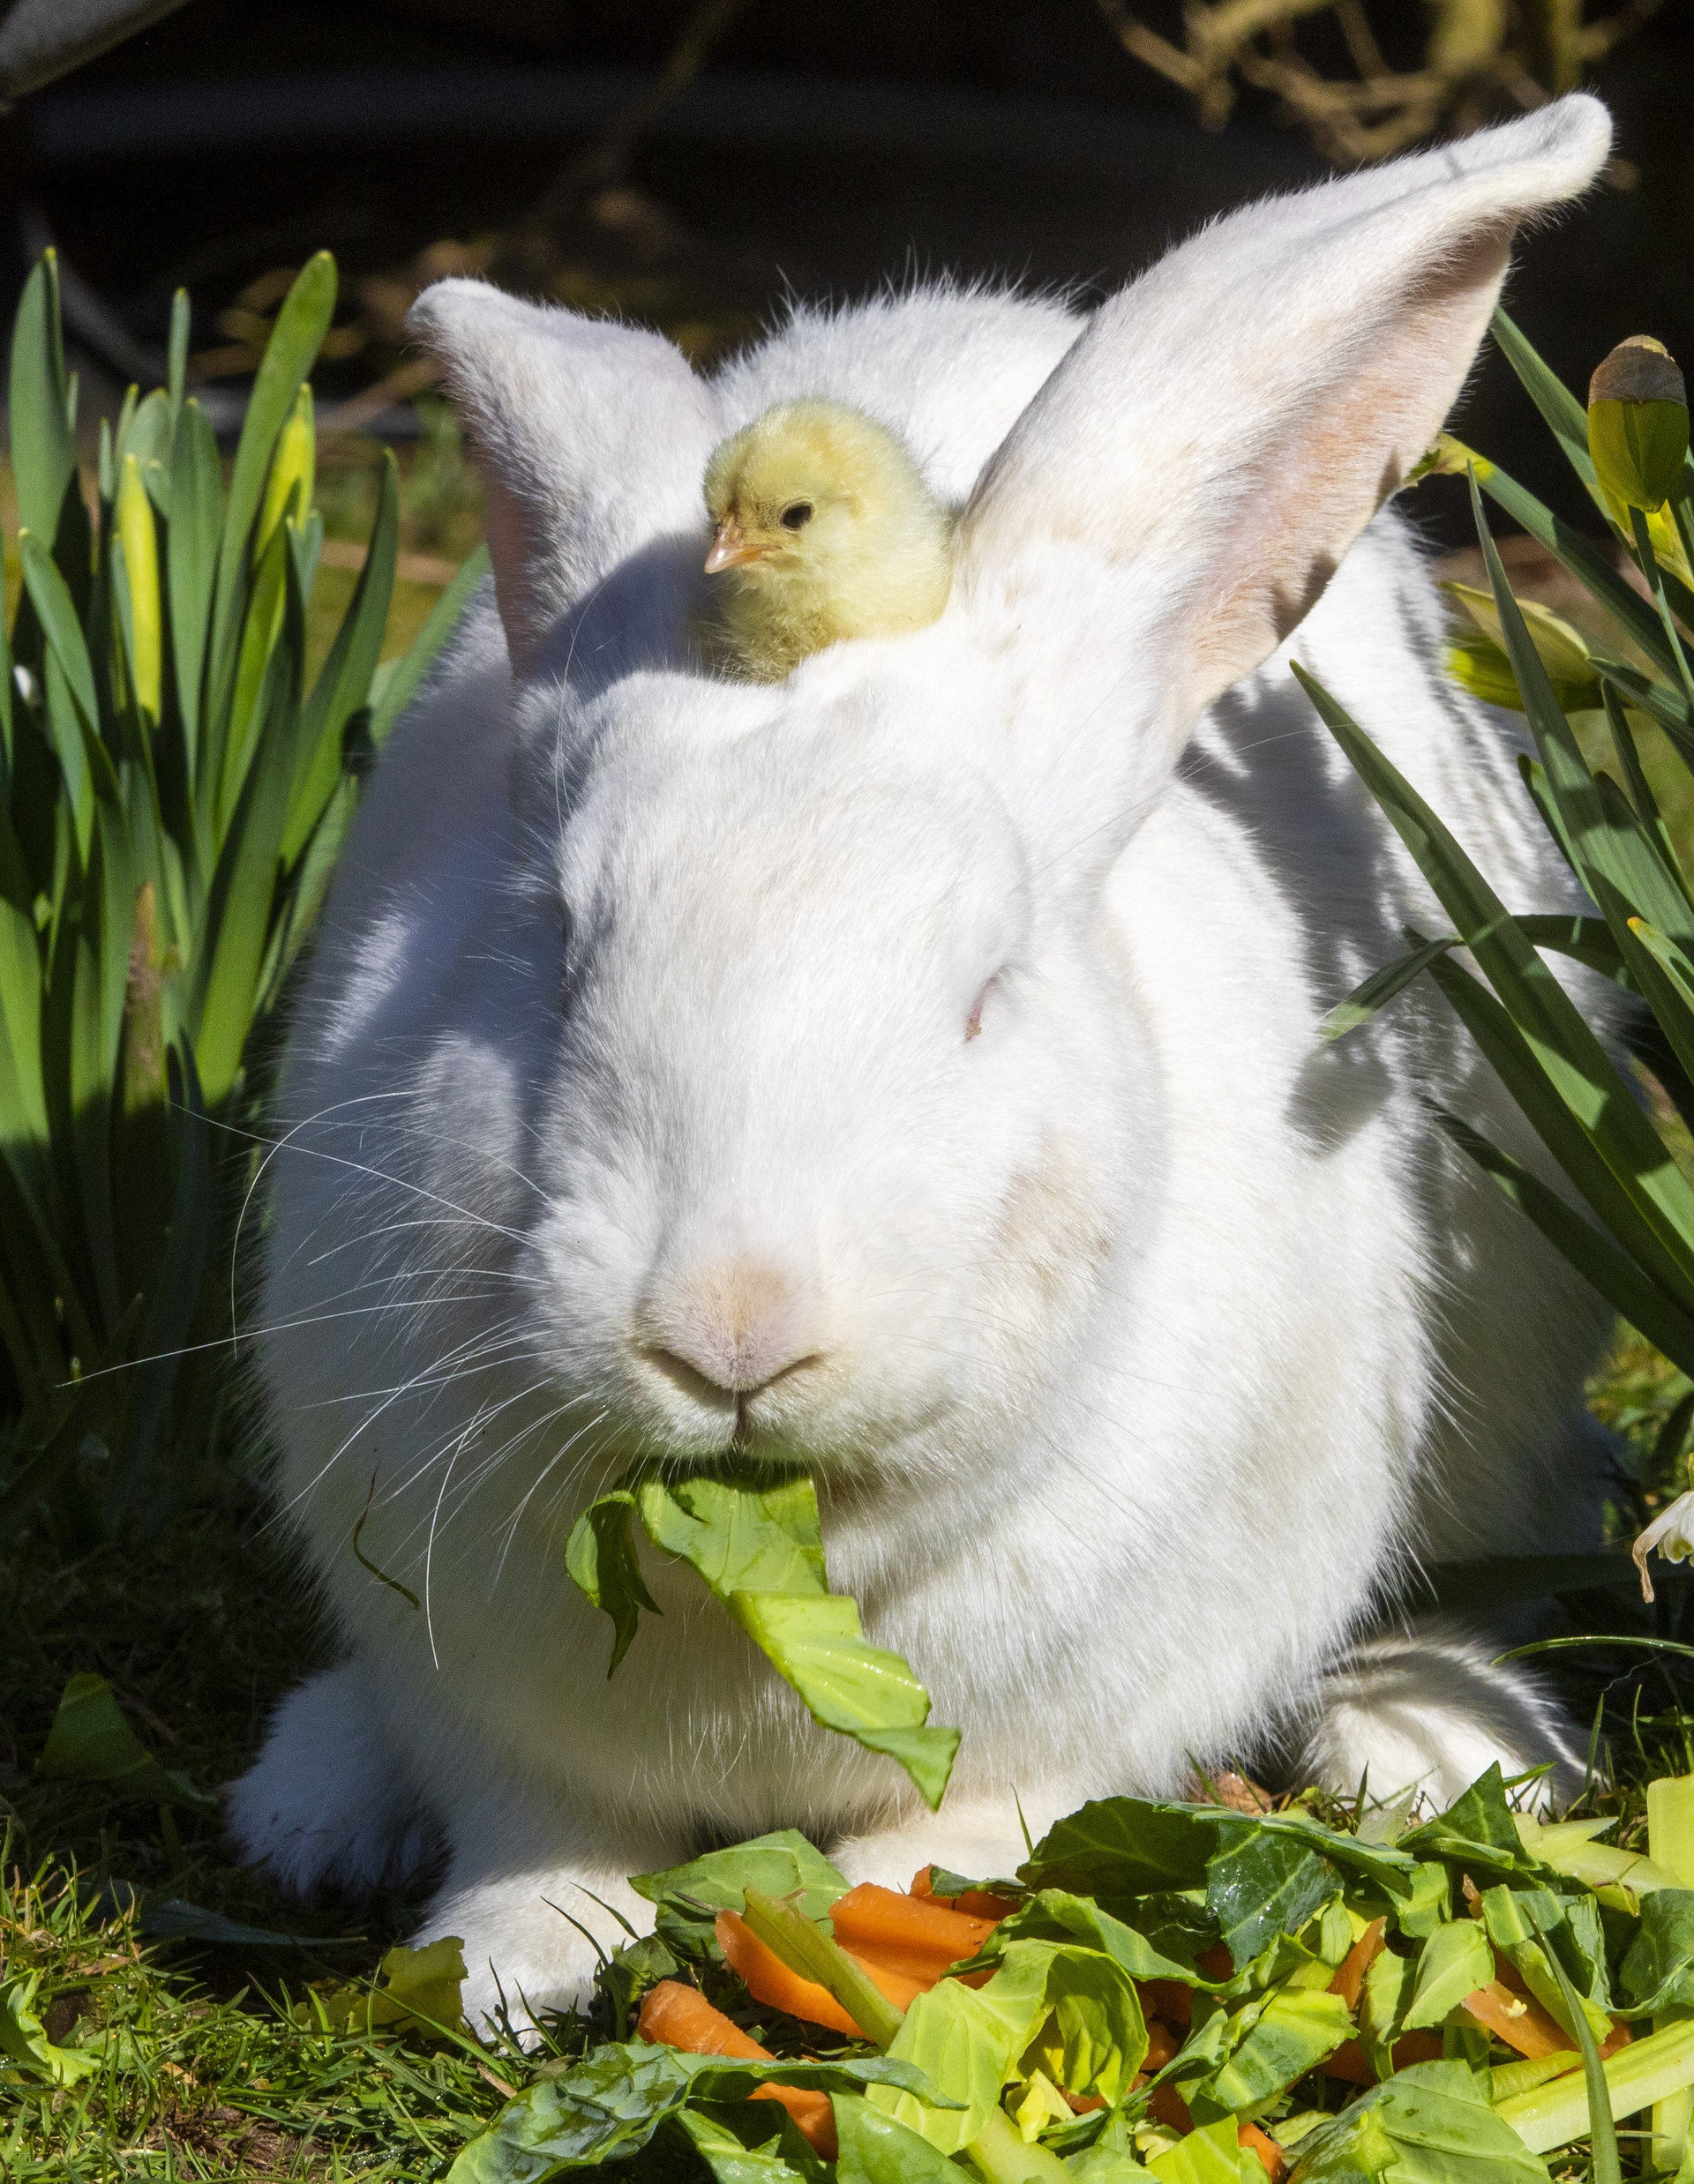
[[674, 2016], [770, 1981], [1518, 2020], [1349, 1981], [900, 1974], [915, 1924], [1261, 2143], [1168, 2107]]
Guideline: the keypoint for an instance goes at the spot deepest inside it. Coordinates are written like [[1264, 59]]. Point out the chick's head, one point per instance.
[[825, 528]]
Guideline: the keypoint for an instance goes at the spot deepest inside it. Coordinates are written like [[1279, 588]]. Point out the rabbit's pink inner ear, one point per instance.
[[1341, 457], [1230, 423], [511, 551]]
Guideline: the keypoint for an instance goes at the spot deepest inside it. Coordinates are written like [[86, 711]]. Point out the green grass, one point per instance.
[[209, 2076]]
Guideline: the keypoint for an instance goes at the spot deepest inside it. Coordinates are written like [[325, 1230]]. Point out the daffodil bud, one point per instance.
[[1638, 423], [294, 463], [1477, 657], [140, 542]]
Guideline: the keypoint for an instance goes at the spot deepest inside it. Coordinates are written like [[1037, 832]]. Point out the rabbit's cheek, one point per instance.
[[1050, 1246]]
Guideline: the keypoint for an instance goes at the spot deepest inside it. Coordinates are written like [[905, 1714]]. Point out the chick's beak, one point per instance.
[[730, 548]]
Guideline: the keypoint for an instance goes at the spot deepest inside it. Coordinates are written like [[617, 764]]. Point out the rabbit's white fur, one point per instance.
[[1137, 1344]]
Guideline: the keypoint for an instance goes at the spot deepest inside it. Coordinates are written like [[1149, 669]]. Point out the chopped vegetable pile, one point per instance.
[[1202, 1993]]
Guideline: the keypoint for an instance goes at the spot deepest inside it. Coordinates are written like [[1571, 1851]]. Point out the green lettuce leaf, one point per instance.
[[760, 2157], [24, 2042], [968, 2041], [1431, 2124], [1658, 1969], [1088, 2032], [876, 2149], [1390, 1986], [1429, 1903], [1479, 1829], [1056, 1915], [1265, 1883], [1118, 1847], [784, 1865], [91, 1740], [1272, 2041], [965, 2047], [1208, 2156], [759, 1547], [1456, 1961], [600, 1556], [608, 2106], [1525, 1923]]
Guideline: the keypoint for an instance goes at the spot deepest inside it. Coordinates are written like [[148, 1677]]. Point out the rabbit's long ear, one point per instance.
[[594, 438], [1228, 423]]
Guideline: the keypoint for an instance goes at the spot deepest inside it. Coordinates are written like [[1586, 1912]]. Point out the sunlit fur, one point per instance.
[[873, 559], [912, 1069]]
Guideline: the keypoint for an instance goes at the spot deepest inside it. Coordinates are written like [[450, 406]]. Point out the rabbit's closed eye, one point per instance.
[[973, 1022]]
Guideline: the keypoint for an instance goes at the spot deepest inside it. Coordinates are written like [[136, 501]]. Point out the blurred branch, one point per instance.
[[1481, 54], [604, 158], [41, 40]]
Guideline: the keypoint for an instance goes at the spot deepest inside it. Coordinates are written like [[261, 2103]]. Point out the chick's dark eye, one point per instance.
[[797, 517]]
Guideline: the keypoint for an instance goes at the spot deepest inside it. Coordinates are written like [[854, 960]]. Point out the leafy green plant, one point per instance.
[[172, 798], [1184, 1991], [1637, 1248], [758, 1546]]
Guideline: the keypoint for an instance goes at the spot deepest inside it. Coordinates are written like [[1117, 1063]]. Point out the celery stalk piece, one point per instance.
[[1670, 1843], [804, 1947], [1003, 2157], [1638, 2075]]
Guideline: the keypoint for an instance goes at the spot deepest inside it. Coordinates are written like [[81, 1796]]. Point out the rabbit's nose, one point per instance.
[[736, 1324]]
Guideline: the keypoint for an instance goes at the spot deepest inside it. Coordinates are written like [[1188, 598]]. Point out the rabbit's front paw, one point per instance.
[[326, 1805], [522, 1954]]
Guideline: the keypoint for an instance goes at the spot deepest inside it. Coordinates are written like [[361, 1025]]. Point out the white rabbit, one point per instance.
[[633, 1105]]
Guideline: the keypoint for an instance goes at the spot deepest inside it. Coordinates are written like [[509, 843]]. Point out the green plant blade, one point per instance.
[[295, 338], [1612, 851], [243, 895], [192, 561], [1636, 784], [42, 431], [1376, 992], [343, 685], [1513, 1060], [72, 705], [1565, 416], [1595, 1257], [1589, 1096]]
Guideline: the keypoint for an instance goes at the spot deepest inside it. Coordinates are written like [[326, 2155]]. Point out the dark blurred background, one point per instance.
[[812, 150]]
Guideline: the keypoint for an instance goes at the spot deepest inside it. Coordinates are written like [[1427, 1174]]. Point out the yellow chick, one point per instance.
[[825, 530]]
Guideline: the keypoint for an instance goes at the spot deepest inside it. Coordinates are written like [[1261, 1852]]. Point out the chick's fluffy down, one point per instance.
[[826, 530]]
